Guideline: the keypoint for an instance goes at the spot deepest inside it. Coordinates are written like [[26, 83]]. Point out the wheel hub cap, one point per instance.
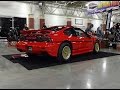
[[66, 52], [97, 47]]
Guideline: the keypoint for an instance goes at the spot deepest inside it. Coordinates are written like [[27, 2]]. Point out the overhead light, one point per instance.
[[63, 1], [87, 4], [40, 4], [73, 2]]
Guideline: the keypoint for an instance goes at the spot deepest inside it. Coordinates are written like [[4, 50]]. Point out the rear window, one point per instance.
[[56, 28]]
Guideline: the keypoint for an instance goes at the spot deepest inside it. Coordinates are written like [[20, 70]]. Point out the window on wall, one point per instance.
[[19, 22], [6, 24], [79, 21]]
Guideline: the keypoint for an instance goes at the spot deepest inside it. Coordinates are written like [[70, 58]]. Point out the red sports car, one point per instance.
[[58, 41]]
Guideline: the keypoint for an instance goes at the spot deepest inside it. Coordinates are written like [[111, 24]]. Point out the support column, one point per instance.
[[104, 43], [42, 21], [31, 21], [68, 21], [104, 23]]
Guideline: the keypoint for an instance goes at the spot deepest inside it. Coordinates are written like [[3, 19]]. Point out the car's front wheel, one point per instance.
[[65, 52], [96, 47]]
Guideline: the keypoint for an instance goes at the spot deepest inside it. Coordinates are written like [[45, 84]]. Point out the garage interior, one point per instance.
[[85, 71]]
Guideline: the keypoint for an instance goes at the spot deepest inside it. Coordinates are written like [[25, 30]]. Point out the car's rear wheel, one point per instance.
[[64, 53], [96, 47]]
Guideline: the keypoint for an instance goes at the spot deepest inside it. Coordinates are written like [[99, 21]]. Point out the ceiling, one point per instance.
[[71, 4]]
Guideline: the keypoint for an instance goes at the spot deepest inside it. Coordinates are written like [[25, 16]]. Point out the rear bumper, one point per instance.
[[38, 47]]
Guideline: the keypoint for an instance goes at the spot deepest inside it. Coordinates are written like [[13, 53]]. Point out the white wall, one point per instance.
[[96, 24], [54, 20], [15, 9], [18, 9], [36, 12], [83, 26]]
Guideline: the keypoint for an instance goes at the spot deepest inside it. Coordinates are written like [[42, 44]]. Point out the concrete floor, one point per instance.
[[101, 73]]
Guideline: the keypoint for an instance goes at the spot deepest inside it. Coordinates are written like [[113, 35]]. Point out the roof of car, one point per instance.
[[62, 26]]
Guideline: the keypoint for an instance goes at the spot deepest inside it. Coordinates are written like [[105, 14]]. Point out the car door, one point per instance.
[[71, 35], [86, 42]]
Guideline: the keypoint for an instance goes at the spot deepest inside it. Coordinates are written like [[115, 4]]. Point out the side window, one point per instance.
[[70, 31], [67, 32], [80, 33]]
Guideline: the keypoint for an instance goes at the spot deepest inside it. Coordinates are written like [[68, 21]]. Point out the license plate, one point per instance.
[[29, 48]]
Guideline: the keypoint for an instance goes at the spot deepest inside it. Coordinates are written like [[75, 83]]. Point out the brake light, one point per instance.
[[44, 38]]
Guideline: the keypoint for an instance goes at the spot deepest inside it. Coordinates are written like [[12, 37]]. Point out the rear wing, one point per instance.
[[28, 31]]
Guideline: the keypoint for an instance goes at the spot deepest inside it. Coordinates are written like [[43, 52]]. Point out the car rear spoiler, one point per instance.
[[34, 32], [28, 31]]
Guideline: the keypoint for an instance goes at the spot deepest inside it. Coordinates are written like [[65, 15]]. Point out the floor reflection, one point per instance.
[[88, 84], [104, 66]]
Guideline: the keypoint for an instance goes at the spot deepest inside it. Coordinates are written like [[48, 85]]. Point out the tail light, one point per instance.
[[44, 38]]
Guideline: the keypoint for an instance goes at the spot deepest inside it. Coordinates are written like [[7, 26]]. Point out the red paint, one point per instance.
[[79, 44], [31, 23], [102, 44], [42, 21], [105, 4], [114, 3], [118, 47], [69, 23]]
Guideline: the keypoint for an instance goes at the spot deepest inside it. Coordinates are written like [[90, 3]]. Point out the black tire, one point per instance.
[[96, 50], [60, 57]]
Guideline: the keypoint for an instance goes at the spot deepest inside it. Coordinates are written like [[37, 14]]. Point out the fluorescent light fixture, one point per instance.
[[40, 4], [87, 4]]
